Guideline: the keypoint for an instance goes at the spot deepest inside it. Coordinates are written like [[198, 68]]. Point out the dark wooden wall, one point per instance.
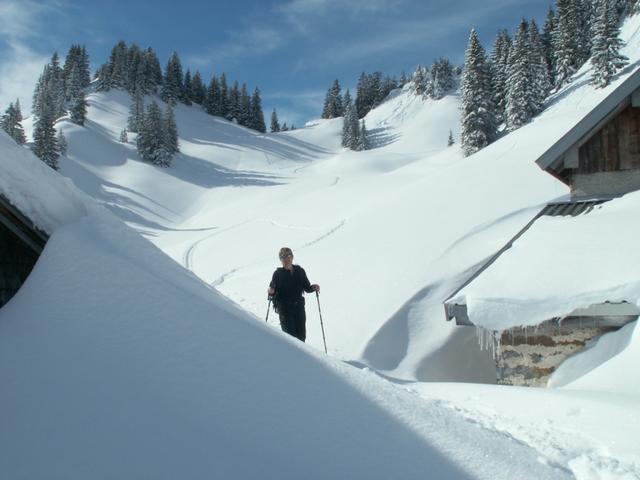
[[16, 262], [615, 147]]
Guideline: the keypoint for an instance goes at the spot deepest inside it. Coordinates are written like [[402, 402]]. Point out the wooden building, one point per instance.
[[20, 246], [600, 156], [599, 159]]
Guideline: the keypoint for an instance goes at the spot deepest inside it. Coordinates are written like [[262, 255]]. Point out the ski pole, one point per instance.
[[268, 308], [321, 324]]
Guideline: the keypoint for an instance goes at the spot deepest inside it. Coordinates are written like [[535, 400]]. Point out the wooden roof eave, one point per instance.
[[21, 226], [553, 159]]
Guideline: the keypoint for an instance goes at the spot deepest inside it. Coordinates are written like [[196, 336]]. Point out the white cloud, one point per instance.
[[240, 45], [20, 65], [19, 71]]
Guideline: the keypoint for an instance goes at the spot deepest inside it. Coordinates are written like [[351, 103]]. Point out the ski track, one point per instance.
[[187, 256], [220, 280], [569, 451], [330, 232]]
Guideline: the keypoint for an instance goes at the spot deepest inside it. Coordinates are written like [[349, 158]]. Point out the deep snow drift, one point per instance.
[[115, 362], [108, 336]]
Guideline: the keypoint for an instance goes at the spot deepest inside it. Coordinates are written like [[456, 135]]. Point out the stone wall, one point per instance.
[[528, 356]]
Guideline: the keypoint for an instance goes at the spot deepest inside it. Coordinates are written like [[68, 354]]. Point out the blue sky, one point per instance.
[[291, 49]]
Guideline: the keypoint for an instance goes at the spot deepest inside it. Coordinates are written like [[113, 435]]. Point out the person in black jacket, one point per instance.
[[286, 287]]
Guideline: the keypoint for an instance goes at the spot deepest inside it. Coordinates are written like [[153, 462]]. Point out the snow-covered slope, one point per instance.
[[115, 362]]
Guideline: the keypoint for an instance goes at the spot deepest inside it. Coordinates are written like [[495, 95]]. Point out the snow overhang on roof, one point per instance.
[[457, 309], [564, 152], [21, 226]]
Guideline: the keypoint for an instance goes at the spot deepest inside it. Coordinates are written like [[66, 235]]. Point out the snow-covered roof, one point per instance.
[[32, 190], [19, 225], [618, 95], [562, 264]]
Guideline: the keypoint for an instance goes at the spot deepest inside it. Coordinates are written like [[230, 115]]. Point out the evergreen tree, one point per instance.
[[421, 80], [223, 104], [124, 138], [333, 102], [199, 91], [478, 125], [188, 88], [12, 123], [500, 73], [233, 103], [245, 107], [441, 80], [275, 125], [62, 143], [363, 138], [350, 125], [212, 102], [136, 113], [45, 143], [173, 87], [565, 42], [519, 108], [450, 140], [79, 108], [540, 81], [170, 132], [257, 116], [56, 87], [151, 142], [285, 128], [606, 59], [547, 43]]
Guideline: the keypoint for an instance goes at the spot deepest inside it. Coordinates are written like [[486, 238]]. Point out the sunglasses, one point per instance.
[[282, 257]]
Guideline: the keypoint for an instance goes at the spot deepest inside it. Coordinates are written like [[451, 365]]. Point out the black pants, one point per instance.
[[293, 318]]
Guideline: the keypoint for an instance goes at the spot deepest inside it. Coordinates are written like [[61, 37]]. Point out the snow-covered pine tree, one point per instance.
[[45, 144], [547, 43], [350, 125], [78, 108], [150, 142], [233, 103], [421, 80], [173, 88], [441, 80], [245, 107], [565, 42], [500, 70], [136, 112], [223, 103], [520, 95], [284, 128], [212, 100], [478, 125], [124, 137], [56, 87], [332, 107], [170, 133], [188, 88], [199, 91], [450, 140], [62, 143], [257, 116], [606, 59], [12, 123], [154, 67], [363, 138], [275, 125], [540, 81]]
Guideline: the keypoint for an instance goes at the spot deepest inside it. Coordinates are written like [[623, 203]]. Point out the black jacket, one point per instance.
[[289, 285]]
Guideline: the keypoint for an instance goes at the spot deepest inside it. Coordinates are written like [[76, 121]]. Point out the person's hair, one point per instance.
[[284, 251]]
